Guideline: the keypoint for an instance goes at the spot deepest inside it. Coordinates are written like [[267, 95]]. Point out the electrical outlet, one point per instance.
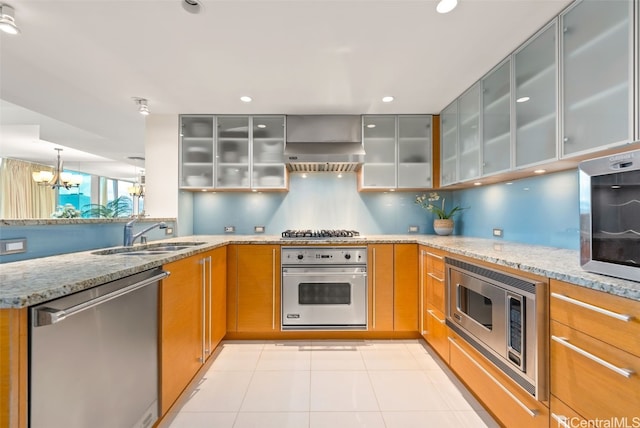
[[168, 231], [258, 229], [414, 229], [497, 233], [229, 229]]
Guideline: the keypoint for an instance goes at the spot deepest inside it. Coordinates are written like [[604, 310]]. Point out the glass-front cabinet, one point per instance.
[[379, 141], [449, 144], [232, 152], [469, 134], [398, 152], [414, 151], [597, 69], [536, 99], [496, 120]]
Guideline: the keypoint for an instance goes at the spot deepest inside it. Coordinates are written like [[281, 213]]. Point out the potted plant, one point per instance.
[[443, 225]]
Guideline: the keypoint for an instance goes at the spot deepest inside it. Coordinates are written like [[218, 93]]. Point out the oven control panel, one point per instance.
[[317, 255]]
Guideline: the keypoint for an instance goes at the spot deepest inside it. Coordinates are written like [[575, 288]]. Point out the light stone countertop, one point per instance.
[[31, 282]]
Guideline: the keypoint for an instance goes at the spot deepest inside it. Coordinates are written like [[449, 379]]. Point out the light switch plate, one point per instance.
[[497, 233], [229, 229], [258, 229]]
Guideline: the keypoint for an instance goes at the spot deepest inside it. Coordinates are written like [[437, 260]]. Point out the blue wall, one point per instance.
[[540, 210]]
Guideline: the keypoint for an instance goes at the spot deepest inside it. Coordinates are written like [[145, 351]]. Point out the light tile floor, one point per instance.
[[333, 384]]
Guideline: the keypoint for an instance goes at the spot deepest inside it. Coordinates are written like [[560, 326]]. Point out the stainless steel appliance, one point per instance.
[[94, 356], [610, 215], [324, 288], [501, 316], [319, 233]]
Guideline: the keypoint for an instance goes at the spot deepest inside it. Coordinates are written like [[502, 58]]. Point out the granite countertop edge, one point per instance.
[[35, 281]]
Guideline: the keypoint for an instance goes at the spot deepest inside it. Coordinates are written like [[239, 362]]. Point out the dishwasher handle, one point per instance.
[[47, 316]]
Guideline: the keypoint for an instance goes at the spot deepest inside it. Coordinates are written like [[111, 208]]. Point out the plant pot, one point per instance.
[[443, 226]]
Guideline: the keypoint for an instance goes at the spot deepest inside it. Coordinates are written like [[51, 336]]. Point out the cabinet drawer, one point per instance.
[[435, 292], [588, 375], [510, 404], [435, 262], [437, 332], [597, 314]]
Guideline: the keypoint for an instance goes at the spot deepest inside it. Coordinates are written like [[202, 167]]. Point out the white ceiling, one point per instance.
[[77, 64]]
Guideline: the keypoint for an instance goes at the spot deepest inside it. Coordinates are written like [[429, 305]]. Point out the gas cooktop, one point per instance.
[[320, 234]]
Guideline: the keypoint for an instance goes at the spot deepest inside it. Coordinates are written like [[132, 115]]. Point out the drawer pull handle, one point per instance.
[[621, 317], [430, 312], [435, 277], [562, 420], [532, 412], [565, 342], [435, 256]]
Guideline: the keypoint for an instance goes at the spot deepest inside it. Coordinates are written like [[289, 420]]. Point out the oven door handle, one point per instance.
[[307, 274]]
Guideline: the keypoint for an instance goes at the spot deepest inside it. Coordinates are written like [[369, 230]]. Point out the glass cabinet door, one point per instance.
[[449, 144], [196, 151], [596, 65], [414, 152], [379, 140], [469, 134], [269, 170], [232, 155], [496, 120], [536, 99]]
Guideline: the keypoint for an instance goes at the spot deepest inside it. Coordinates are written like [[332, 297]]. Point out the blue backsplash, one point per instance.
[[546, 213]]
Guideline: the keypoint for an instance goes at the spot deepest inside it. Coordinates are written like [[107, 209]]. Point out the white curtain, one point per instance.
[[20, 196]]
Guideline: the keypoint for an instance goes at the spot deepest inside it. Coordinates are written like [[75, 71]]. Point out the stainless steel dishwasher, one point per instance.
[[94, 356]]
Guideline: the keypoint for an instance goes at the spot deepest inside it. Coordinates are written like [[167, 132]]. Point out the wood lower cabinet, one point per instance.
[[405, 287], [435, 332], [253, 288], [380, 278], [14, 331], [218, 296], [595, 357]]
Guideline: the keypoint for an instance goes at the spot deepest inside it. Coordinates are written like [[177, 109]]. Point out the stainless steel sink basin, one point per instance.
[[148, 249]]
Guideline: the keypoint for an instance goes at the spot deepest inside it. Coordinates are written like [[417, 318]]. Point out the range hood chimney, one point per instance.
[[324, 143]]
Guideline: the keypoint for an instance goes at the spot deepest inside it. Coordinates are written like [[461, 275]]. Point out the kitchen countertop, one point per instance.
[[31, 282]]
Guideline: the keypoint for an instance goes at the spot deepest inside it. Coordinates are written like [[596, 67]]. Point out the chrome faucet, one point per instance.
[[130, 238]]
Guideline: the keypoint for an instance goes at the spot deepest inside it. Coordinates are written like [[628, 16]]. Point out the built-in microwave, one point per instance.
[[503, 317], [610, 215]]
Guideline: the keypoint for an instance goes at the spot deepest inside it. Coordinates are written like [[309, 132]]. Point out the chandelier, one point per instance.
[[57, 178]]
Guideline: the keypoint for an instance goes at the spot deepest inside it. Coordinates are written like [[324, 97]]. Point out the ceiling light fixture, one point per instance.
[[192, 6], [387, 99], [246, 99], [446, 6], [57, 178], [523, 99], [7, 20], [143, 108]]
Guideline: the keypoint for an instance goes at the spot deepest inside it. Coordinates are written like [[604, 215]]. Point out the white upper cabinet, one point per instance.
[[469, 134], [196, 151], [496, 120], [449, 144], [414, 152], [536, 96], [232, 152], [379, 141], [597, 75]]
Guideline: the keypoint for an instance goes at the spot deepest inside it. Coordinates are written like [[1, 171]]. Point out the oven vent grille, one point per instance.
[[323, 167], [519, 283]]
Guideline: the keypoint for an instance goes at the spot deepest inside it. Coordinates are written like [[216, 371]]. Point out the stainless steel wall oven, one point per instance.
[[610, 215], [502, 317], [324, 288]]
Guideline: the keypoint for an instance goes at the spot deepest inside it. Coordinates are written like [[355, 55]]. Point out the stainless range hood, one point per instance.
[[324, 143]]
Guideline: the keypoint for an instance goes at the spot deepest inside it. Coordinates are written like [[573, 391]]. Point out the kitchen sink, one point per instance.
[[148, 249]]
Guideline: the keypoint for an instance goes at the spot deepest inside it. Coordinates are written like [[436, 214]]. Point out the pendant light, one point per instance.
[[57, 178]]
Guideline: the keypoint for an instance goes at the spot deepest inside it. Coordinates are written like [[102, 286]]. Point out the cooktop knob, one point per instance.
[[347, 256], [300, 256]]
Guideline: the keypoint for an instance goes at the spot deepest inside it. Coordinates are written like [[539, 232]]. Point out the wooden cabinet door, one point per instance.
[[181, 313], [218, 304], [258, 288], [405, 279], [380, 278]]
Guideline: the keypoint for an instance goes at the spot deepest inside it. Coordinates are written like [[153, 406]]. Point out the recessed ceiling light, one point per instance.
[[262, 125], [446, 6], [523, 99], [539, 171], [387, 99], [246, 99], [371, 125]]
